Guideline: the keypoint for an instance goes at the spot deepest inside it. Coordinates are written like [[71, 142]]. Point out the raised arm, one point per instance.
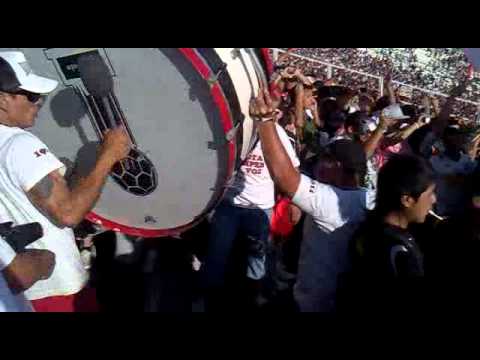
[[442, 121], [435, 107], [312, 104], [474, 147], [389, 89], [283, 173], [299, 110], [404, 134], [377, 136]]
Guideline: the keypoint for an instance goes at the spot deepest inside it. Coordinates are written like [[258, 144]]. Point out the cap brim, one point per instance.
[[400, 117], [38, 84]]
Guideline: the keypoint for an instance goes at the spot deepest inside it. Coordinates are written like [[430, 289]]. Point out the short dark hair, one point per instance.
[[350, 155], [402, 175], [286, 119], [334, 121], [381, 103], [356, 121], [318, 84], [333, 91], [327, 106], [410, 110]]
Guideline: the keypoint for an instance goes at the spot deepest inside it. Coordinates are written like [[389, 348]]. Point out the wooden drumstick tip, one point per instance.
[[438, 217]]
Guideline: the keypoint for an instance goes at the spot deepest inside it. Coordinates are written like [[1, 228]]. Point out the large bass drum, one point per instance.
[[186, 108]]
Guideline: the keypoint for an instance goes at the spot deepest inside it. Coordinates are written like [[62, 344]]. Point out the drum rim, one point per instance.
[[203, 68]]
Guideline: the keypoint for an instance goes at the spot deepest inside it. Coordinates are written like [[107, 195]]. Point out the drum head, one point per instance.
[[182, 108]]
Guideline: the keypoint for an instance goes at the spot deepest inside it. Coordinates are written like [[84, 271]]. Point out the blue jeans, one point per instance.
[[227, 223]]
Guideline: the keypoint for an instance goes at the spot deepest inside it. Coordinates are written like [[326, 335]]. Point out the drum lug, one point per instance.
[[213, 79], [236, 53], [232, 133], [211, 145]]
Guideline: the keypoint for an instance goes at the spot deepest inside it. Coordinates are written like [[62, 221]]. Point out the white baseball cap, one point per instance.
[[394, 112], [16, 73]]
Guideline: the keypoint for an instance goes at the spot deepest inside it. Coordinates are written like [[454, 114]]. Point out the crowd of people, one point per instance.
[[404, 66], [374, 196], [348, 202]]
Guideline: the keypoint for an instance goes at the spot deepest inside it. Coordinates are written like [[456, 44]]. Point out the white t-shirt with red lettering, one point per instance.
[[24, 161], [253, 186]]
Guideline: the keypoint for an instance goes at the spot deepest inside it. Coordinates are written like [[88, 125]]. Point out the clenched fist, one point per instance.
[[263, 106], [116, 145]]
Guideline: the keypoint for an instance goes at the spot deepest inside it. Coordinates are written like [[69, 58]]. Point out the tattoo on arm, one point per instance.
[[43, 189], [46, 196]]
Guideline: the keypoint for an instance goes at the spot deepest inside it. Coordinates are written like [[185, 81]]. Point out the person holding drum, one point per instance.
[[33, 188]]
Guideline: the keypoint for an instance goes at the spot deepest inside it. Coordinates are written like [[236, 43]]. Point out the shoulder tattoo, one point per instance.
[[43, 188]]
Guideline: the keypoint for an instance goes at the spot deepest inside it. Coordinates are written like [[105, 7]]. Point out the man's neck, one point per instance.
[[4, 119], [396, 219]]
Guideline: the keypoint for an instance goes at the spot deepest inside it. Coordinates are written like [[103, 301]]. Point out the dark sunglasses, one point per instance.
[[32, 97]]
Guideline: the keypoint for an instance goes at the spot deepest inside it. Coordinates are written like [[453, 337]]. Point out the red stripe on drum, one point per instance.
[[227, 122], [218, 96], [268, 60]]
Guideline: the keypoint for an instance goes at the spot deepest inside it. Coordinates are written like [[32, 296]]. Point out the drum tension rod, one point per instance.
[[229, 136], [213, 79], [232, 133], [236, 53]]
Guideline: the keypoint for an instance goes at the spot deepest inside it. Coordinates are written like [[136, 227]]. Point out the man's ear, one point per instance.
[[476, 202], [407, 201], [3, 101]]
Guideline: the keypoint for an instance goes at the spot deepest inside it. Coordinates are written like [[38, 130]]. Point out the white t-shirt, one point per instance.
[[371, 177], [451, 199], [253, 186], [8, 301], [24, 161], [333, 216]]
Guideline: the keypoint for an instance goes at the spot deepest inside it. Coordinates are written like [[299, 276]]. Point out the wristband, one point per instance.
[[263, 119]]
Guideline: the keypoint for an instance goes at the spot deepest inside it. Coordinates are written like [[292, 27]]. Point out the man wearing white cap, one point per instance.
[[32, 186]]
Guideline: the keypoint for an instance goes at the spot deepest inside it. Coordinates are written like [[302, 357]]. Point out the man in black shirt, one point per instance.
[[387, 262]]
